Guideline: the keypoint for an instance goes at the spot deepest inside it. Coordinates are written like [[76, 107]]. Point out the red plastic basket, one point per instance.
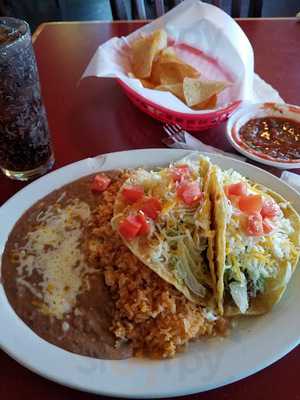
[[187, 121]]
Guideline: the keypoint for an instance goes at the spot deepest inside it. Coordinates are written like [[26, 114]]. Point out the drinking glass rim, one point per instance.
[[18, 24]]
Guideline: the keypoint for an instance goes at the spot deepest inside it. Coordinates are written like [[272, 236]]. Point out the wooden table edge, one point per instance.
[[39, 30], [42, 26]]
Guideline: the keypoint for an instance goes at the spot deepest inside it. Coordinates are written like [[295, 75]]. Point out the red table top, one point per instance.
[[94, 117]]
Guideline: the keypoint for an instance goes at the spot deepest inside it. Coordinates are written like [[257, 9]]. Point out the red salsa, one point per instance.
[[275, 137]]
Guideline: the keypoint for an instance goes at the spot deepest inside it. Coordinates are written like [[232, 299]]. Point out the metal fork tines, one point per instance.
[[175, 132]]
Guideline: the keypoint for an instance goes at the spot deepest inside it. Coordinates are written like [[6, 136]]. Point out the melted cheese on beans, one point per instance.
[[52, 250]]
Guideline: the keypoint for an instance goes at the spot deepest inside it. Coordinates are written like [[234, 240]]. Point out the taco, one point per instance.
[[256, 246], [163, 217]]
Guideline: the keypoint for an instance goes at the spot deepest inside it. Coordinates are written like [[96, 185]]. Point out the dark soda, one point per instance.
[[25, 144]]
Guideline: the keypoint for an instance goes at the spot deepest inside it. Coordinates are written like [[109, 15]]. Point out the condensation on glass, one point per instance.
[[25, 143]]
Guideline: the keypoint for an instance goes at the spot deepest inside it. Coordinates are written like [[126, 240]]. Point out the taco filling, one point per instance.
[[164, 218]]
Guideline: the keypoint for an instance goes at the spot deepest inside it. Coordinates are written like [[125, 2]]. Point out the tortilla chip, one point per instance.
[[197, 91], [176, 89], [208, 104], [176, 72], [168, 55], [168, 69], [147, 84], [144, 51], [155, 72]]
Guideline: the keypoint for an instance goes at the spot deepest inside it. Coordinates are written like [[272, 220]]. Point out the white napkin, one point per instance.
[[291, 179], [191, 143], [263, 92]]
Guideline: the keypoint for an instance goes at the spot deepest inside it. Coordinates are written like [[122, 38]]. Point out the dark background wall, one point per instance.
[[37, 11]]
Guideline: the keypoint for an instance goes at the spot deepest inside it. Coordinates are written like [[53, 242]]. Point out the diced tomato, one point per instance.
[[254, 225], [179, 172], [236, 189], [132, 194], [133, 226], [130, 227], [270, 209], [145, 225], [100, 183], [190, 193], [234, 200], [251, 204], [267, 226], [151, 207]]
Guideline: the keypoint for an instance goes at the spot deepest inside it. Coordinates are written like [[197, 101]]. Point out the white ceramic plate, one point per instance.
[[253, 345], [261, 110]]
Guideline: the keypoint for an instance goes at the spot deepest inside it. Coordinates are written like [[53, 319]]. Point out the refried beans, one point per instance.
[[79, 322]]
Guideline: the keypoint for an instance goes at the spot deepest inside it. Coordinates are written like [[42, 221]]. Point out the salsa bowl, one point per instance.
[[268, 133]]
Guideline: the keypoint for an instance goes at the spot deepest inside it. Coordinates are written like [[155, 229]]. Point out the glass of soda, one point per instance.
[[25, 142]]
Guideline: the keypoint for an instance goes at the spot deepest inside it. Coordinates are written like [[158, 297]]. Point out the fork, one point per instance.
[[175, 132], [176, 135]]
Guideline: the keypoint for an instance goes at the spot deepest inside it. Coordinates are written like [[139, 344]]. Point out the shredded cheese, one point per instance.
[[52, 250]]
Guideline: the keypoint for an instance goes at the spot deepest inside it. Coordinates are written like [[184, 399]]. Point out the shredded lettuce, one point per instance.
[[238, 291], [184, 267], [209, 314], [259, 270], [182, 248], [185, 258]]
